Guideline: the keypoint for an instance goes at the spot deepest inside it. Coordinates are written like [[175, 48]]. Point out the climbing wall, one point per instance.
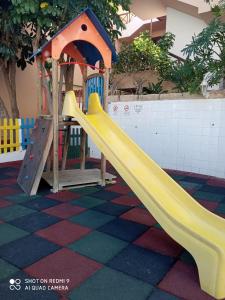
[[36, 156]]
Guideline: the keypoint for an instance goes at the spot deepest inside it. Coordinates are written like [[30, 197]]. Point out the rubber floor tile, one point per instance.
[[200, 195], [40, 203], [63, 233], [64, 264], [86, 190], [64, 210], [139, 215], [14, 211], [158, 294], [123, 229], [112, 208], [111, 285], [121, 189], [25, 251], [6, 269], [190, 185], [221, 208], [159, 241], [213, 189], [182, 281], [145, 265], [35, 221], [196, 179], [4, 203], [21, 198], [210, 205], [127, 200], [105, 195], [6, 191], [98, 246], [10, 233], [87, 202], [92, 219], [63, 196], [187, 258]]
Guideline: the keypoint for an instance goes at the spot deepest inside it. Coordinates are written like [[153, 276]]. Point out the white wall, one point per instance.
[[184, 26], [187, 135]]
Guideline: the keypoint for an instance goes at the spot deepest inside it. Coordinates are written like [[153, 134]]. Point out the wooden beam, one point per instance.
[[55, 125], [39, 85], [83, 133], [105, 106]]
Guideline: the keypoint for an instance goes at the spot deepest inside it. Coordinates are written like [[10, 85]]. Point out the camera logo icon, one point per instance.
[[14, 284]]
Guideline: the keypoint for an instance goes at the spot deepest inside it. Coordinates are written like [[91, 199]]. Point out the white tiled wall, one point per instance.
[[187, 135]]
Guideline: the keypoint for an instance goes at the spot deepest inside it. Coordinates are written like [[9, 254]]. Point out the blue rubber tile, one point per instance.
[[91, 219], [108, 284], [112, 209], [213, 189], [145, 265], [105, 195], [190, 185], [123, 229], [26, 251], [158, 294], [12, 294], [35, 221], [195, 179], [200, 195], [40, 203]]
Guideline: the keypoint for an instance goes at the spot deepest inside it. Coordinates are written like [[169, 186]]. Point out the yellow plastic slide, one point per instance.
[[199, 231]]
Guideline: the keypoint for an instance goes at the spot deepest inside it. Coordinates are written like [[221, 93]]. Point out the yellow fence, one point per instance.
[[9, 135]]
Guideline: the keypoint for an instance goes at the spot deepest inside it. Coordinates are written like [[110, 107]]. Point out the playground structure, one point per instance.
[[86, 42], [195, 228]]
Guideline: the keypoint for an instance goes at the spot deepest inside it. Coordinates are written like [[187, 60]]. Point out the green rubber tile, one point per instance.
[[108, 284], [221, 208], [20, 198], [177, 177], [187, 258], [92, 219], [6, 270], [98, 246], [158, 226], [208, 196], [87, 202], [86, 190], [15, 211], [9, 233], [190, 185]]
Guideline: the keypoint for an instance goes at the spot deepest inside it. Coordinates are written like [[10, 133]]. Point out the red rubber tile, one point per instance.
[[158, 240], [216, 182], [65, 264], [182, 281], [6, 191], [63, 196], [139, 215], [8, 181], [4, 203], [64, 210], [121, 189], [63, 233], [210, 205], [127, 200]]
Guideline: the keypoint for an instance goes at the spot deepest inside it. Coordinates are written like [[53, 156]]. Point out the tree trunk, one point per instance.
[[69, 77], [3, 110], [9, 73]]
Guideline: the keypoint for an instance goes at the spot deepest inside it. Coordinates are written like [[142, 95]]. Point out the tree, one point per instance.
[[208, 49], [25, 25], [14, 47], [143, 54]]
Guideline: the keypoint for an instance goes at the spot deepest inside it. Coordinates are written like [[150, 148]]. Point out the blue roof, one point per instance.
[[87, 50]]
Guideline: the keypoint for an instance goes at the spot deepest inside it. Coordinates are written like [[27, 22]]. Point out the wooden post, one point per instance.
[[39, 85], [55, 125], [83, 133], [105, 106]]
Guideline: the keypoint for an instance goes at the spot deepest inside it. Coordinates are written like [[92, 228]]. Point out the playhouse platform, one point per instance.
[[78, 178], [102, 241]]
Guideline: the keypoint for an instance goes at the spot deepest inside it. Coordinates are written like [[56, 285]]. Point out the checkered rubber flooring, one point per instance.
[[101, 241]]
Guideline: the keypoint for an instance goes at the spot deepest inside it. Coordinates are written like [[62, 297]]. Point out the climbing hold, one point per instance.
[[31, 142], [31, 156], [26, 177]]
